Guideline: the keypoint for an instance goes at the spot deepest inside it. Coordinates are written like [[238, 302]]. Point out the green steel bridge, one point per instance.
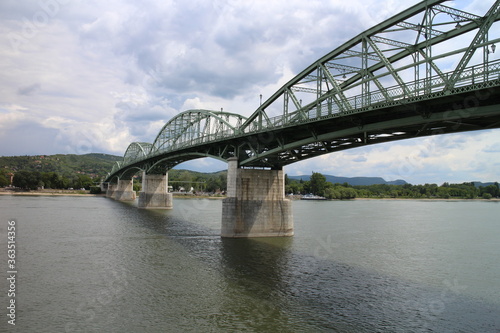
[[431, 69]]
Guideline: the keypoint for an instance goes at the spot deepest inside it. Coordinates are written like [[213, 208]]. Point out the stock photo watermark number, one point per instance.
[[11, 272]]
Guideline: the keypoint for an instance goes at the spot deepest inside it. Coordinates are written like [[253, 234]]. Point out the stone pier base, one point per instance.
[[111, 190], [154, 192], [124, 191], [256, 204]]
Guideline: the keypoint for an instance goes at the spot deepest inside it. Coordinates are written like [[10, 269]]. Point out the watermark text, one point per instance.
[[11, 272]]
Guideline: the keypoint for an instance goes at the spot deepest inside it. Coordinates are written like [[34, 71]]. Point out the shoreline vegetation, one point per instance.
[[184, 183], [81, 193]]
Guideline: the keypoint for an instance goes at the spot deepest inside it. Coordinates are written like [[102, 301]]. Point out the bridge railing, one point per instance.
[[208, 138], [472, 77]]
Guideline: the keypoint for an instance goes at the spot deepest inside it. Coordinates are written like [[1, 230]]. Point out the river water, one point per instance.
[[91, 264]]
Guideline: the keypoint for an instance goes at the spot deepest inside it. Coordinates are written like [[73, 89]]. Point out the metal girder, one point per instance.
[[456, 13], [418, 28], [338, 94], [490, 17], [304, 89], [380, 131], [391, 42], [433, 65], [422, 45], [358, 54], [343, 68], [294, 99], [388, 65]]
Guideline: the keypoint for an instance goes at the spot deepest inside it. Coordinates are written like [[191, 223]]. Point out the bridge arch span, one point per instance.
[[130, 172], [167, 163], [136, 151], [194, 127], [116, 167]]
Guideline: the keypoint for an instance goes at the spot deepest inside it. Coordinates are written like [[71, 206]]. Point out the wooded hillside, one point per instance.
[[92, 165]]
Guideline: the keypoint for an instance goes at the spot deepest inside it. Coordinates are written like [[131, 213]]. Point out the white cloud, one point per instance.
[[95, 76], [453, 158]]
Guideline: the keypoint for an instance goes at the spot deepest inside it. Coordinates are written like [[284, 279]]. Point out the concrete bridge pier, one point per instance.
[[154, 192], [125, 190], [111, 190], [255, 205]]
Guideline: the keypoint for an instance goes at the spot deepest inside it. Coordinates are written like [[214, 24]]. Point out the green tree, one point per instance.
[[347, 193], [340, 192], [82, 181], [137, 185], [487, 196], [4, 177], [295, 188], [27, 180], [318, 183], [332, 193], [444, 192], [306, 186], [4, 181], [215, 183], [490, 189], [51, 180], [95, 190]]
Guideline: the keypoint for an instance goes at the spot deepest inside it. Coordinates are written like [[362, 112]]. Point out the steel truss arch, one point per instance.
[[194, 127], [395, 60], [136, 151], [116, 166]]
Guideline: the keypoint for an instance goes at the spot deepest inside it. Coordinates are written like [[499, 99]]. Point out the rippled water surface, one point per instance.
[[91, 264]]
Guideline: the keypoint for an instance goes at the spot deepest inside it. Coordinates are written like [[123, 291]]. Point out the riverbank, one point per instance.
[[428, 199], [82, 193], [51, 193], [86, 193]]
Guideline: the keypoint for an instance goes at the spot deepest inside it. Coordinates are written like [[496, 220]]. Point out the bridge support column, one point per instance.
[[154, 192], [255, 205], [125, 191], [110, 191]]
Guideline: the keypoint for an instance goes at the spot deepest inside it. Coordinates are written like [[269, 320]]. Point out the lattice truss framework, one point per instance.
[[187, 129], [429, 47], [196, 127]]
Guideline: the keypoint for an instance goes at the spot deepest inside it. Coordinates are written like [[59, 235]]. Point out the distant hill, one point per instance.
[[93, 165], [354, 181], [479, 184]]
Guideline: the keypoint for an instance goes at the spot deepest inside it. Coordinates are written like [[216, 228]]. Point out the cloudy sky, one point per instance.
[[92, 76]]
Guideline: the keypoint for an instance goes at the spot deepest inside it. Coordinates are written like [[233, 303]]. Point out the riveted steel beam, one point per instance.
[[456, 13], [338, 94], [388, 65], [491, 16], [416, 27]]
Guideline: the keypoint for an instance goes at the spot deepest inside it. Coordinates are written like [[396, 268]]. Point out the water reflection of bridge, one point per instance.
[[428, 70]]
